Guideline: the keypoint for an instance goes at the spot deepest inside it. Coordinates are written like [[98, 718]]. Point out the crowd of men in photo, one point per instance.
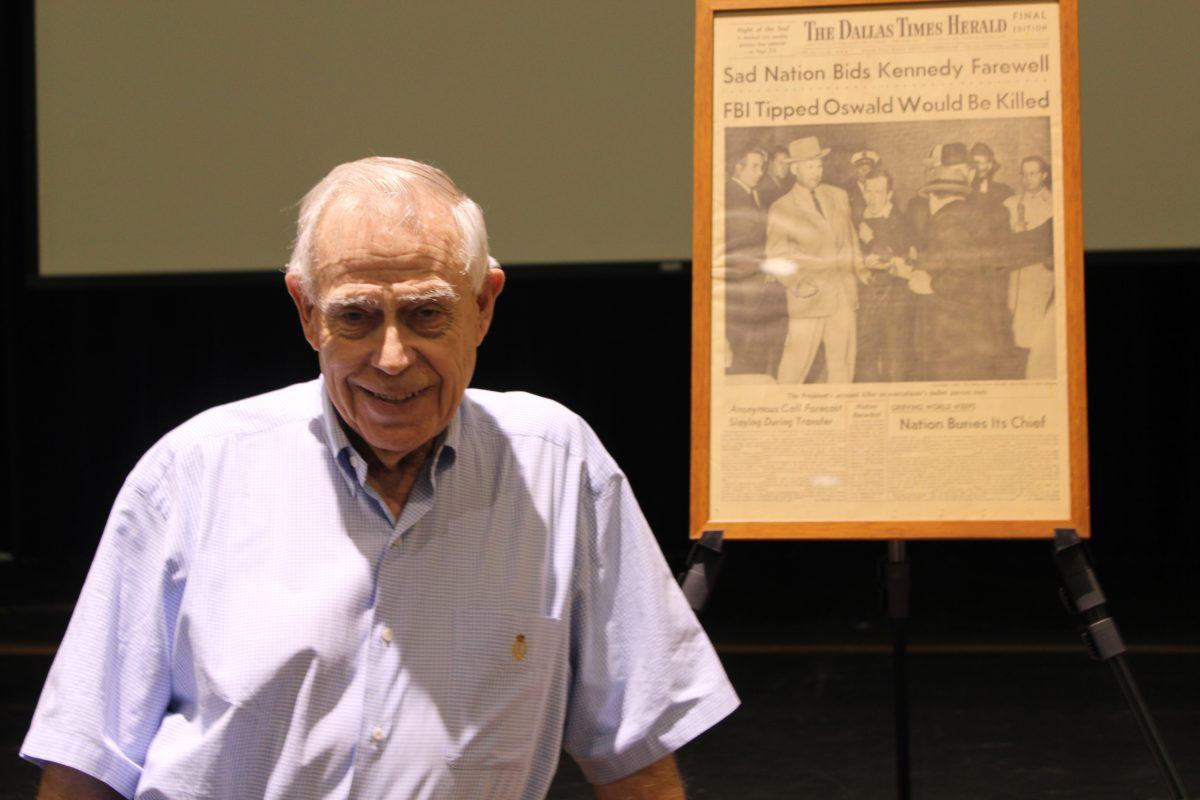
[[843, 284]]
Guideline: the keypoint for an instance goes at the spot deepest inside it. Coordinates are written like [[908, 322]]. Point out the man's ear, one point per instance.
[[493, 285], [304, 307]]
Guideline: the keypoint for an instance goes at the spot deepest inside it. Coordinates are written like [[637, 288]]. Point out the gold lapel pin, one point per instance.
[[520, 647]]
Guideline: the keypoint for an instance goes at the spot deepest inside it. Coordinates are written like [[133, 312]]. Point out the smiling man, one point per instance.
[[379, 583]]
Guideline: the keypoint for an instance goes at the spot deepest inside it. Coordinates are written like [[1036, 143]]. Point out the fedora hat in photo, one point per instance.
[[946, 180], [947, 155], [805, 149]]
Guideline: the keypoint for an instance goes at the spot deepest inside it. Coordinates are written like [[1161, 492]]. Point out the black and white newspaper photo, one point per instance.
[[887, 336]]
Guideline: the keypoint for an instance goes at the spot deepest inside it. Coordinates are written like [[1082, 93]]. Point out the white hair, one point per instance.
[[403, 185]]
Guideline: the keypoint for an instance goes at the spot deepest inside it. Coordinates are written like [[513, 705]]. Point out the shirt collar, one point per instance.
[[354, 467], [884, 213]]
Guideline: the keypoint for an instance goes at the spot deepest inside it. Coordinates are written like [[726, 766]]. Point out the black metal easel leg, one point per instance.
[[703, 567], [1082, 594], [896, 585], [1145, 723]]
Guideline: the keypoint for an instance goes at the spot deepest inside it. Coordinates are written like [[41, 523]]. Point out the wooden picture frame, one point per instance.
[[922, 441]]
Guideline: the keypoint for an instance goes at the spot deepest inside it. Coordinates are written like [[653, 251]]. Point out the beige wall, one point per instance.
[[177, 136], [1140, 95]]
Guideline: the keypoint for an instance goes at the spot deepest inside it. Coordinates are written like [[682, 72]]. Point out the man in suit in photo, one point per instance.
[[986, 167], [957, 335], [777, 179], [813, 251], [949, 154], [745, 223], [755, 311], [987, 199], [1031, 286]]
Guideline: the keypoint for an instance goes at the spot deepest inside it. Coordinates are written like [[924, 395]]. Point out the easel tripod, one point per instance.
[[1080, 591], [1082, 595]]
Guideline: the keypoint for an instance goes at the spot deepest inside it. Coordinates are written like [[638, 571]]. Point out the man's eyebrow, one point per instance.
[[431, 295], [334, 304], [446, 294]]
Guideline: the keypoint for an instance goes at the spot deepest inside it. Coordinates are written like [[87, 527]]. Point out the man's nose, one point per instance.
[[393, 356]]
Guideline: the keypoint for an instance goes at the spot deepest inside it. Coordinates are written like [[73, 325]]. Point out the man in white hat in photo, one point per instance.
[[813, 250]]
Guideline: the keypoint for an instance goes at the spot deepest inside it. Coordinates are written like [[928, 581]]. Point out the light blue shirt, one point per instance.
[[256, 624]]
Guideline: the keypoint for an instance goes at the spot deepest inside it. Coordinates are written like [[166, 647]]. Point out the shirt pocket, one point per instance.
[[503, 666]]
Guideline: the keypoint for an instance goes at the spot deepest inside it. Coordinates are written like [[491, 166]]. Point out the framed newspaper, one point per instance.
[[888, 336]]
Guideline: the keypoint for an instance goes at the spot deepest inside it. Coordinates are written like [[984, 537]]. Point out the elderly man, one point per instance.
[[378, 583], [813, 250]]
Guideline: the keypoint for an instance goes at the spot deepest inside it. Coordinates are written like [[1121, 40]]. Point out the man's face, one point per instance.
[[779, 166], [983, 166], [876, 193], [862, 169], [395, 323], [750, 169], [1032, 176], [808, 173]]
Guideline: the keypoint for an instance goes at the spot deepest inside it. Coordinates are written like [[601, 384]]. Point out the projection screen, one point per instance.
[[178, 137]]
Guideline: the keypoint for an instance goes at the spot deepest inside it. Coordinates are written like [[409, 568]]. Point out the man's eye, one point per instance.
[[353, 316], [427, 318]]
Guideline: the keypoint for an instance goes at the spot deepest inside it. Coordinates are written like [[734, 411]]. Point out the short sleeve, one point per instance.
[[109, 685], [645, 678]]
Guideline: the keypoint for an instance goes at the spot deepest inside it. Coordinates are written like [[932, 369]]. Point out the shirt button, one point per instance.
[[386, 635], [377, 734]]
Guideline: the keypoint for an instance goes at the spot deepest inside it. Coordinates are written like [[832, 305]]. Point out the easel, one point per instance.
[[703, 566], [896, 584], [1081, 594]]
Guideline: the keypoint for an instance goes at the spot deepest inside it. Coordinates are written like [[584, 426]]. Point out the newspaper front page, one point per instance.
[[888, 341]]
